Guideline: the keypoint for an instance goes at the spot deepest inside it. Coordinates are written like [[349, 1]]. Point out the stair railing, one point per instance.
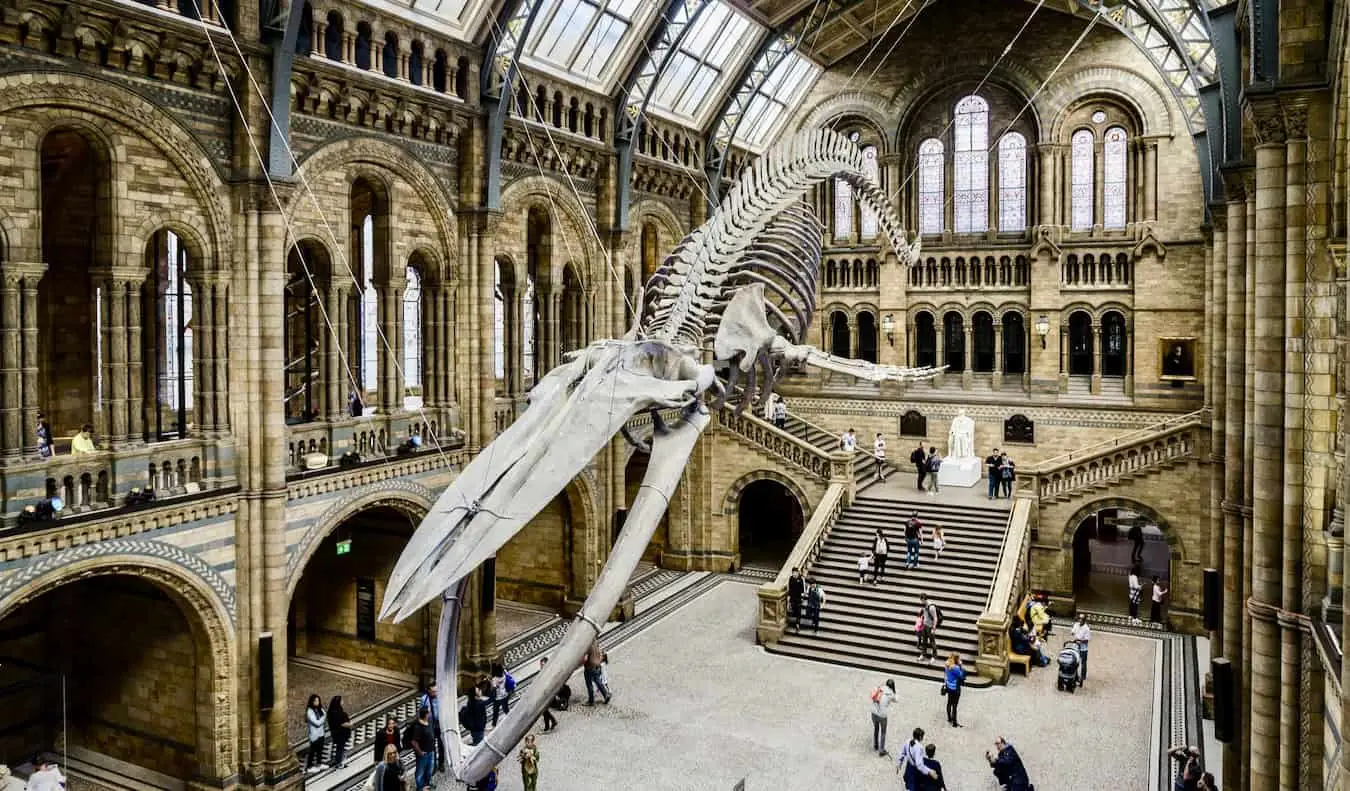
[[1005, 595], [778, 443], [771, 621]]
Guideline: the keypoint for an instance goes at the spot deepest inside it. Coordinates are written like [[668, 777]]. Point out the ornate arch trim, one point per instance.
[[732, 501], [1131, 89], [546, 192], [1011, 75], [1070, 528], [870, 106], [661, 214], [196, 244]]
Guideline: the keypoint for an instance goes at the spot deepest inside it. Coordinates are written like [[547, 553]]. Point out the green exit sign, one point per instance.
[[344, 547]]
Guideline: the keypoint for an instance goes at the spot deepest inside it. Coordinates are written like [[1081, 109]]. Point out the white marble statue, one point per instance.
[[961, 437]]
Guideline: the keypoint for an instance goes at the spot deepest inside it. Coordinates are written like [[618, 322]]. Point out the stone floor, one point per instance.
[[515, 619], [304, 679], [698, 706]]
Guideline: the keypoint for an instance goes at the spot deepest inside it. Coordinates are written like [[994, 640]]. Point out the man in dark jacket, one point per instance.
[[920, 461], [796, 590], [424, 744], [1007, 766], [931, 779]]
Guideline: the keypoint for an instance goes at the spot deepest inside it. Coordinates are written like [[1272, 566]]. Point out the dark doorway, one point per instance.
[[1113, 344], [1080, 344], [1103, 555], [925, 341], [839, 334], [1014, 344], [954, 342], [867, 337], [982, 324], [770, 521]]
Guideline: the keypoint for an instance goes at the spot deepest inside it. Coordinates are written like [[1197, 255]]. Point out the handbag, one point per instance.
[[918, 623], [942, 689]]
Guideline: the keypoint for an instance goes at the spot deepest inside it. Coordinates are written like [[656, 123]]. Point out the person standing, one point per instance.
[[1136, 593], [1007, 766], [594, 661], [992, 465], [780, 413], [315, 720], [931, 778], [939, 542], [913, 530], [953, 681], [1136, 536], [796, 590], [1158, 597], [44, 436], [849, 442], [1082, 635], [864, 559], [432, 701], [388, 771], [1189, 768], [83, 442], [551, 722], [502, 687], [931, 619], [47, 777], [879, 550], [815, 600], [529, 763], [920, 461], [882, 698], [911, 761], [424, 746], [1007, 474], [879, 456], [340, 725], [934, 462], [385, 738]]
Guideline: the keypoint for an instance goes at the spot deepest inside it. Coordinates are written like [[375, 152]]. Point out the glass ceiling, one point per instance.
[[774, 101], [709, 56], [454, 16], [586, 40]]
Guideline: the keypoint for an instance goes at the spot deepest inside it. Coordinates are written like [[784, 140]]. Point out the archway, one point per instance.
[[954, 342], [139, 669], [982, 327], [1113, 344], [541, 564], [867, 336], [1080, 344], [769, 520], [839, 334], [925, 341], [632, 478], [1104, 552], [1014, 344]]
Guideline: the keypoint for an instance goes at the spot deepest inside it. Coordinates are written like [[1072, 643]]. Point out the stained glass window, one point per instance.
[[970, 179], [369, 309], [843, 209], [1080, 198], [867, 219], [930, 186], [412, 339], [1114, 155], [1012, 183]]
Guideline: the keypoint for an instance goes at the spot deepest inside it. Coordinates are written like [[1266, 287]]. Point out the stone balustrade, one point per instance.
[[773, 596], [1007, 592], [371, 436], [803, 455]]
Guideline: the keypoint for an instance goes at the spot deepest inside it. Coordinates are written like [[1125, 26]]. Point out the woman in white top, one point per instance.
[[1136, 591], [1082, 634], [882, 699], [939, 542], [879, 453]]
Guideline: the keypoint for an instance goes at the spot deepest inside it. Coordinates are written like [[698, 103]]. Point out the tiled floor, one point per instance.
[[698, 706], [514, 620]]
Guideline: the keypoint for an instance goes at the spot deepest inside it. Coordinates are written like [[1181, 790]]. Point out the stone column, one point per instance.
[[11, 360], [316, 38], [29, 338], [220, 391], [1248, 451], [940, 335], [1098, 338], [1150, 180], [333, 340], [115, 358], [1063, 358], [349, 48], [1233, 363], [135, 373], [1217, 394], [204, 351], [1045, 209], [1268, 765], [967, 361], [390, 352], [998, 355]]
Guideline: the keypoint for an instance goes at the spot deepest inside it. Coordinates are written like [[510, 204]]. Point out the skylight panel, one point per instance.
[[454, 17], [708, 57], [772, 103], [584, 39]]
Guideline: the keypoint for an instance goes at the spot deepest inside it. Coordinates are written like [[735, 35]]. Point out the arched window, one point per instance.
[[1082, 179], [1114, 157], [982, 325], [368, 315], [843, 209], [930, 186], [1012, 183], [390, 55], [169, 336], [925, 341], [498, 324], [412, 339], [970, 181], [332, 37], [867, 336], [839, 334], [954, 342], [1080, 344], [1113, 344], [867, 219], [301, 335], [365, 342]]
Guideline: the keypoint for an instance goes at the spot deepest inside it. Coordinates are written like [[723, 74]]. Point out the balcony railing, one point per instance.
[[321, 445]]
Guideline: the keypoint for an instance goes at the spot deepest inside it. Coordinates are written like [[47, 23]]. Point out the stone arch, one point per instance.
[[1176, 548], [1126, 87], [731, 502], [210, 618], [197, 245], [7, 232], [362, 150], [404, 499], [433, 266], [861, 104], [658, 212], [1012, 75], [78, 95], [546, 192]]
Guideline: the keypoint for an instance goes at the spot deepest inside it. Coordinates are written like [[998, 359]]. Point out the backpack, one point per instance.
[[876, 695], [937, 615], [934, 462], [510, 683], [1007, 473]]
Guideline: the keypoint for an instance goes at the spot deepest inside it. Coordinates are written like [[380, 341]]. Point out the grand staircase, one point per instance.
[[872, 626], [864, 471]]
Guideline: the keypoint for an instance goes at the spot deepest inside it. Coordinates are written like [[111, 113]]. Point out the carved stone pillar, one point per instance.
[[11, 410], [1045, 206], [317, 38], [376, 55], [219, 422], [1098, 337], [29, 342], [940, 336], [115, 358], [135, 364], [967, 361], [335, 304], [349, 48], [997, 381], [1151, 180], [389, 353], [1063, 354]]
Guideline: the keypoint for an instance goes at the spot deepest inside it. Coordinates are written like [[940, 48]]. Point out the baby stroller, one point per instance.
[[1068, 667]]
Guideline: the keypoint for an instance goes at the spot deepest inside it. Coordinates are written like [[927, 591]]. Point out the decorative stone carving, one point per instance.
[[1019, 428]]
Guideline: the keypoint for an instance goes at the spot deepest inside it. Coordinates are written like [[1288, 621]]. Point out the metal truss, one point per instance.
[[281, 27], [501, 69], [772, 51]]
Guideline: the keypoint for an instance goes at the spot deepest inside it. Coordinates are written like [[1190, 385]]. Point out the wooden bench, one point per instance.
[[1019, 659]]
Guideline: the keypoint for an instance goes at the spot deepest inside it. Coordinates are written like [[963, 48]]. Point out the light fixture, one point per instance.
[[1043, 328], [888, 327]]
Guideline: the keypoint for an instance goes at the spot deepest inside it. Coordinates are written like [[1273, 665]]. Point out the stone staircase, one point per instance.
[[872, 626], [863, 470]]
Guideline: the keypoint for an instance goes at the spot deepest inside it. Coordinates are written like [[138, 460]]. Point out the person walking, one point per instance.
[[879, 549], [913, 530], [424, 747], [551, 722], [386, 737], [939, 542], [315, 720], [882, 698], [1136, 536], [780, 413], [1007, 766], [432, 701], [594, 661], [954, 680], [879, 456], [920, 461], [848, 442], [529, 763], [340, 725], [388, 774], [934, 463], [815, 600], [502, 687], [992, 464], [797, 590], [931, 777], [1136, 593], [910, 762], [1082, 635], [931, 618], [1007, 474], [1159, 596], [864, 560]]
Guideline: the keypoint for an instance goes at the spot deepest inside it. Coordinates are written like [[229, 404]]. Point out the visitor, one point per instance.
[[931, 777], [1208, 783], [1155, 612], [1007, 474], [1025, 643], [502, 687], [593, 661], [388, 774], [796, 590], [1136, 593], [43, 432], [954, 679], [551, 722], [424, 746], [910, 762], [934, 462], [879, 549], [389, 736], [864, 560], [882, 698], [913, 530], [46, 777], [1039, 617], [604, 671], [849, 442], [879, 456], [357, 409], [920, 461], [315, 719], [529, 763], [939, 542], [1136, 536], [780, 413], [431, 700], [340, 725], [930, 618], [993, 464], [1007, 766], [815, 600], [1082, 635], [1189, 768], [83, 442]]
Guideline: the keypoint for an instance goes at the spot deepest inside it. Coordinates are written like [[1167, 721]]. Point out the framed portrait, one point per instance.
[[1177, 359]]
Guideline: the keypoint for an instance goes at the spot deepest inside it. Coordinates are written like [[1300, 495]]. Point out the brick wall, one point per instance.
[[533, 566]]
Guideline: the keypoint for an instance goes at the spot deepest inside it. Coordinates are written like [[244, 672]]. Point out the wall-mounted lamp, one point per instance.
[[888, 327], [1043, 328]]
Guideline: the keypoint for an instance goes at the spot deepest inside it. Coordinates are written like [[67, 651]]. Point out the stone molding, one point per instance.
[[426, 462], [1046, 415], [731, 501]]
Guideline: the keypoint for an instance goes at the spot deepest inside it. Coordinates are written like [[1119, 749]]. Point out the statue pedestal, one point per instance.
[[960, 472]]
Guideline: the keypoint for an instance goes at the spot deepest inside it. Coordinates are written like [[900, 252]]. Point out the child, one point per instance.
[[604, 669], [863, 560], [939, 542]]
